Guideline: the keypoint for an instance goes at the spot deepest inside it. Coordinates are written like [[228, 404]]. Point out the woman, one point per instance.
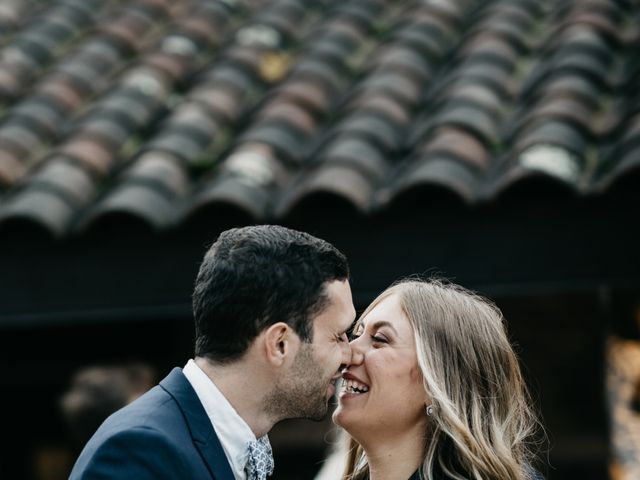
[[434, 390]]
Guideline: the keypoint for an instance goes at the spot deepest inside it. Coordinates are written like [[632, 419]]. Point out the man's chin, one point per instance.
[[320, 414]]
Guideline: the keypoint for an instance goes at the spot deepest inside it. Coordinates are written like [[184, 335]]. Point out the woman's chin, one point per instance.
[[340, 417], [344, 418], [336, 417]]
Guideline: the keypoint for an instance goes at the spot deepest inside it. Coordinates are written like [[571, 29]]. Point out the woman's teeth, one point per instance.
[[353, 386]]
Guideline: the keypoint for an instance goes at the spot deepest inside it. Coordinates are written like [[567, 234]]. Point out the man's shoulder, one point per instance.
[[155, 408], [148, 432], [134, 451], [155, 411]]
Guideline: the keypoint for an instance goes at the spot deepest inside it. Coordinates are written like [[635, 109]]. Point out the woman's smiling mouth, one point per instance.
[[351, 385]]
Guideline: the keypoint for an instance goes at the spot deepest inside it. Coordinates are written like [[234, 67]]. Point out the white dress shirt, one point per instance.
[[233, 432]]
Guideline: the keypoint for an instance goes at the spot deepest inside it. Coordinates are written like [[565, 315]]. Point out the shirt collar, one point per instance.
[[233, 432]]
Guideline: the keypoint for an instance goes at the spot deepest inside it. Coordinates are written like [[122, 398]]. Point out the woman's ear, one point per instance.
[[280, 342]]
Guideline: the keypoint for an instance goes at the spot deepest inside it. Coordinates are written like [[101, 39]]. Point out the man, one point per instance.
[[272, 307]]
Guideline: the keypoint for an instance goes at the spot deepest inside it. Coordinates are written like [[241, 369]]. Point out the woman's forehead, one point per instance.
[[388, 310]]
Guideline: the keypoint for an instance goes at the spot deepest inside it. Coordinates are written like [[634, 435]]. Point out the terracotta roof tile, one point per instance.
[[432, 175], [68, 177], [11, 168], [172, 113], [141, 200], [342, 181], [47, 208], [458, 144], [245, 182]]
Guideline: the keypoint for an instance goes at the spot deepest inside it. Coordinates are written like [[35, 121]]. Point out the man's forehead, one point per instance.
[[339, 313], [338, 323]]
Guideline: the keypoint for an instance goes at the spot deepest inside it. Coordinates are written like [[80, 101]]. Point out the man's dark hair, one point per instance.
[[253, 277]]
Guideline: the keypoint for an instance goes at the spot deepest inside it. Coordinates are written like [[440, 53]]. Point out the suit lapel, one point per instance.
[[202, 432]]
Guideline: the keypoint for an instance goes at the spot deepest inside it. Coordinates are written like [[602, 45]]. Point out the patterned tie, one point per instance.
[[260, 462]]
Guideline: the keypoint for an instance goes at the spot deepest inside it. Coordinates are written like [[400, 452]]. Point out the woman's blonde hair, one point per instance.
[[482, 423]]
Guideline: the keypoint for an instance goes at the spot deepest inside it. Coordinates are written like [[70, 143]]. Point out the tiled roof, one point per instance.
[[169, 111]]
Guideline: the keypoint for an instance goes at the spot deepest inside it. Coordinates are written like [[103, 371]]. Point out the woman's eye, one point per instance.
[[379, 339]]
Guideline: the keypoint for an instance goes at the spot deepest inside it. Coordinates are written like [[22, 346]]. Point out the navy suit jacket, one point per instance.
[[164, 434]]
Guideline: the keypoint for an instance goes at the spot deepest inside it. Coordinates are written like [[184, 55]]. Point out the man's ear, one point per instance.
[[280, 342]]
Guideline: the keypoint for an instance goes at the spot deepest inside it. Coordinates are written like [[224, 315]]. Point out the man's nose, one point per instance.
[[357, 352], [346, 355]]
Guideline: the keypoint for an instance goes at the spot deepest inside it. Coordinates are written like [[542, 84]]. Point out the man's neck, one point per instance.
[[244, 389]]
